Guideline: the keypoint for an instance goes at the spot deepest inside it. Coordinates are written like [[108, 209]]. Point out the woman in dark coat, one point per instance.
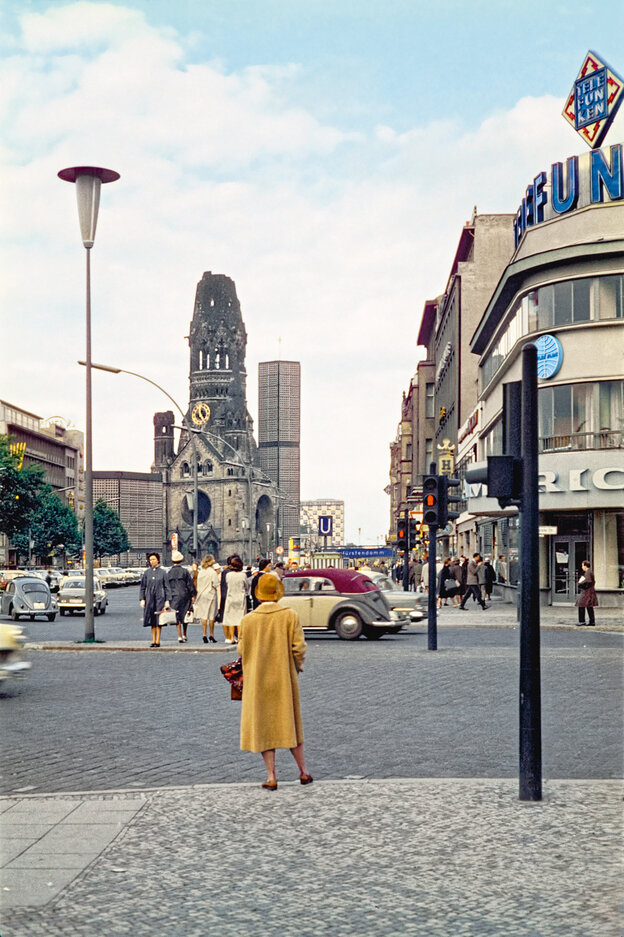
[[183, 592], [444, 575], [588, 598], [154, 595], [263, 567]]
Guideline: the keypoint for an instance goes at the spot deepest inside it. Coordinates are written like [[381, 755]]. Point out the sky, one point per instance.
[[324, 155]]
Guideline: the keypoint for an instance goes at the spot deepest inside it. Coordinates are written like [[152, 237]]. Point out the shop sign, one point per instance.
[[547, 530], [594, 99], [549, 356], [567, 481], [469, 426]]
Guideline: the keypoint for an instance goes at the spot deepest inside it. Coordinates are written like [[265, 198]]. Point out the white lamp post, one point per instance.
[[88, 180]]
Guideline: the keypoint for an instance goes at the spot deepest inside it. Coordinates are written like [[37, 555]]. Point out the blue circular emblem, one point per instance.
[[549, 356]]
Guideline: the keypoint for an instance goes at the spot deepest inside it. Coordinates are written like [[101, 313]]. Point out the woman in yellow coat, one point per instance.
[[272, 648]]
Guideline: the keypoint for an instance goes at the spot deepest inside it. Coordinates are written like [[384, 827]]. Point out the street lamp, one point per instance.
[[88, 180]]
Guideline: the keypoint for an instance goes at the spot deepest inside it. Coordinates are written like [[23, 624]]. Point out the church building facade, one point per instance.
[[217, 499]]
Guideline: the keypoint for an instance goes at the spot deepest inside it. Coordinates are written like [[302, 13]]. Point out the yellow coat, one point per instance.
[[272, 647]]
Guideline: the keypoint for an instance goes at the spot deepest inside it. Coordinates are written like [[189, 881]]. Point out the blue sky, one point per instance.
[[323, 155]]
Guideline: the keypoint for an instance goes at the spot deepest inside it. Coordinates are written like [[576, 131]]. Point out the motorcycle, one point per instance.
[[12, 662]]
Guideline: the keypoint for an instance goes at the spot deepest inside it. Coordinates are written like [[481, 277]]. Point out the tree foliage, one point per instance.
[[52, 526], [20, 490], [109, 534]]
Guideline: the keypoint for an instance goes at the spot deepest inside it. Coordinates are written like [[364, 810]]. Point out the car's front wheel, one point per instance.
[[348, 626], [51, 617], [13, 614]]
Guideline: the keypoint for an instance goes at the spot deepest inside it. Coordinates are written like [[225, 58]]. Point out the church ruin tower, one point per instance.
[[218, 380]]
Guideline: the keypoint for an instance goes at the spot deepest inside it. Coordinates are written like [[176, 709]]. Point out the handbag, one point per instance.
[[452, 588], [168, 617], [189, 618], [233, 673]]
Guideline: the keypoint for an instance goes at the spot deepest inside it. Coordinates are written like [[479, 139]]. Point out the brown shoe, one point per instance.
[[306, 778], [270, 785]]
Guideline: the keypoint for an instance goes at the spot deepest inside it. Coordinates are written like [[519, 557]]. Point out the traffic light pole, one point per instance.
[[432, 606], [530, 693], [406, 555]]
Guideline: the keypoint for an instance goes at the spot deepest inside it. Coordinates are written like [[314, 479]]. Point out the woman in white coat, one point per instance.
[[237, 589], [207, 601]]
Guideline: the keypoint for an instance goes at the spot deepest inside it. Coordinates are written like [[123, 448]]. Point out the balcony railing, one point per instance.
[[605, 439]]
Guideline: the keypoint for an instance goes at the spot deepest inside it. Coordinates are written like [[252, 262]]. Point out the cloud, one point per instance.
[[335, 239]]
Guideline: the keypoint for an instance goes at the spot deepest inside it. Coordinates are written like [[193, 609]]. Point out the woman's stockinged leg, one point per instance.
[[269, 763], [299, 757]]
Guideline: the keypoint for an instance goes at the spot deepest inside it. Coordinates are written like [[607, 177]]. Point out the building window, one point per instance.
[[553, 306], [429, 400], [185, 470], [581, 416], [207, 468], [428, 454]]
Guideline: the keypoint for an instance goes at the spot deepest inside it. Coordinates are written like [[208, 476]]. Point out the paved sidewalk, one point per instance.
[[433, 858]]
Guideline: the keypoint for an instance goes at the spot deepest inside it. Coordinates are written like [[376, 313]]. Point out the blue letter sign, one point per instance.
[[326, 526]]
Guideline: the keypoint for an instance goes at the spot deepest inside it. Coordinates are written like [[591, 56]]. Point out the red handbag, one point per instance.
[[233, 673]]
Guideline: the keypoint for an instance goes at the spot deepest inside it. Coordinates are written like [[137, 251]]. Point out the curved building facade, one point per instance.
[[563, 290]]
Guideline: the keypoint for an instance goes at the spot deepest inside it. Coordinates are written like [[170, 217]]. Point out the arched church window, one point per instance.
[[186, 471], [227, 361], [217, 360], [201, 359], [230, 471], [199, 468], [207, 468]]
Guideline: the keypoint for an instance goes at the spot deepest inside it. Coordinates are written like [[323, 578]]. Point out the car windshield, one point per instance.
[[74, 584], [34, 587]]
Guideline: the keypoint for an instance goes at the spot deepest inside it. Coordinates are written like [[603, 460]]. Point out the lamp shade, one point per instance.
[[88, 181]]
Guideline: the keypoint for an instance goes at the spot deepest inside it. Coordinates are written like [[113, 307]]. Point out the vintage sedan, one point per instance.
[[340, 600], [28, 597], [71, 598], [410, 603]]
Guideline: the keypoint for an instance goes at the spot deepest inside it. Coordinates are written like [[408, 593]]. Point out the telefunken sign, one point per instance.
[[590, 108], [586, 180]]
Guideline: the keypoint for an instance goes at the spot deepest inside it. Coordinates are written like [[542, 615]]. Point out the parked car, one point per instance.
[[12, 663], [6, 575], [71, 598], [28, 597], [409, 603], [340, 600]]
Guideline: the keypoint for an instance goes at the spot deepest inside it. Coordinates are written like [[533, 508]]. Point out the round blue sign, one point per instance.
[[549, 356]]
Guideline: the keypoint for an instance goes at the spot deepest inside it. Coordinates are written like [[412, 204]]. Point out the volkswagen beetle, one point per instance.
[[340, 600]]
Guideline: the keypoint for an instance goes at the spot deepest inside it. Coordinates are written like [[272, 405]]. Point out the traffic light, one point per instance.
[[431, 500], [503, 476], [445, 499], [412, 528], [401, 539]]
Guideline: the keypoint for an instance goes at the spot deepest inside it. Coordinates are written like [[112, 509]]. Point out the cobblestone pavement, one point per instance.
[[390, 708], [433, 858]]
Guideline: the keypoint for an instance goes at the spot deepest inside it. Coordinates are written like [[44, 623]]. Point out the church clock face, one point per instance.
[[200, 414]]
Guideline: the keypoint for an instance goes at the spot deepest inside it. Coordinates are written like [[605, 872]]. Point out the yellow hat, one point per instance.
[[269, 588]]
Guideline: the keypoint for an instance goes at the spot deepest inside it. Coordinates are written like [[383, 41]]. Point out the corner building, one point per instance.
[[564, 290]]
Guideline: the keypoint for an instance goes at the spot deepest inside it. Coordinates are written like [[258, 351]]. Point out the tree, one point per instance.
[[109, 534], [52, 527], [20, 490]]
